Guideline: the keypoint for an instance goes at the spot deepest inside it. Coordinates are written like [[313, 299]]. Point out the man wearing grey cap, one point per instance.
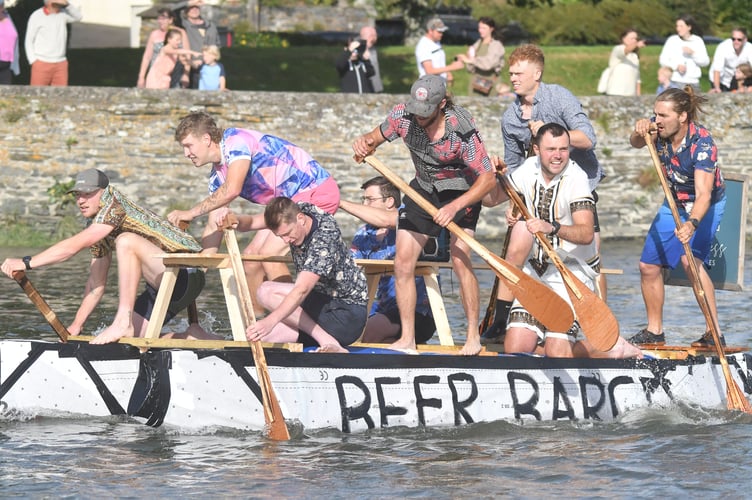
[[116, 224], [454, 172], [430, 55]]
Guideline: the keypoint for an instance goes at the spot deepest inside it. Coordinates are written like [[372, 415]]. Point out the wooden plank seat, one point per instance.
[[373, 268]]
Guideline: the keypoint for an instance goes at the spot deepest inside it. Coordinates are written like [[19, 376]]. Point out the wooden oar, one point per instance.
[[37, 300], [273, 417], [490, 315], [735, 398], [539, 300], [596, 319]]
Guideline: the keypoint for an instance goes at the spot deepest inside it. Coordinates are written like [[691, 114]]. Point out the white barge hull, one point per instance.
[[195, 389]]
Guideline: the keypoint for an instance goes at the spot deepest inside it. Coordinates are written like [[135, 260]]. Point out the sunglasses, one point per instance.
[[738, 39]]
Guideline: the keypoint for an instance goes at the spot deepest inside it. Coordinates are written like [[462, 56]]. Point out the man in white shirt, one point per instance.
[[46, 40], [729, 54], [430, 55]]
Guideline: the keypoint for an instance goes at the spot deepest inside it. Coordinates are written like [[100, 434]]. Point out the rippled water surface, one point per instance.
[[678, 452]]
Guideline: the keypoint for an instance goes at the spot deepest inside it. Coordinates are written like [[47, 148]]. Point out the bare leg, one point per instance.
[[409, 245], [265, 242], [707, 287], [379, 330], [520, 340], [651, 282], [271, 294], [135, 256], [469, 293]]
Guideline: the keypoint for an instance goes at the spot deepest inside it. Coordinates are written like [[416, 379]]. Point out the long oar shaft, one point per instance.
[[273, 416], [41, 305], [735, 397]]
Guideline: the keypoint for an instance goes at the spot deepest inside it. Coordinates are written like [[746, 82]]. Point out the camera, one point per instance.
[[361, 48]]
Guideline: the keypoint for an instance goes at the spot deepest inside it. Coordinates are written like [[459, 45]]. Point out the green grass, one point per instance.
[[311, 68]]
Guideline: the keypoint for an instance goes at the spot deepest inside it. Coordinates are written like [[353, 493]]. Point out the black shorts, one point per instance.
[[424, 325], [343, 321], [188, 286], [413, 218]]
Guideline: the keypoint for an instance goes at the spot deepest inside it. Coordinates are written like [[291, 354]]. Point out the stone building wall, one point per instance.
[[49, 134]]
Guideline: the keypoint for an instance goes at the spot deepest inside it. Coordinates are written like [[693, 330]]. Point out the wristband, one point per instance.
[[27, 262], [694, 222], [556, 227]]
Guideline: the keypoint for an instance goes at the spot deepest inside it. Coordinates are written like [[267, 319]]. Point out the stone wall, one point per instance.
[[49, 134]]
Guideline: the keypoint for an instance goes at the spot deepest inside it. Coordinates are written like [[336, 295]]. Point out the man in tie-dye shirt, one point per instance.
[[257, 167]]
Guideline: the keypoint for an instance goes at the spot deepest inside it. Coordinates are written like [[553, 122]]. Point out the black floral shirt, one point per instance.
[[325, 253]]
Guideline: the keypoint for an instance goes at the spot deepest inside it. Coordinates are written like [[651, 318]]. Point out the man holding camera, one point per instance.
[[355, 68], [46, 40]]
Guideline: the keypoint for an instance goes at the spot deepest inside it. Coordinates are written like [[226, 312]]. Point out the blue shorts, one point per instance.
[[343, 321], [663, 248]]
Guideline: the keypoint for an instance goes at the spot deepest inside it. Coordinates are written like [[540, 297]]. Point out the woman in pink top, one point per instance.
[[8, 47], [155, 42], [160, 73]]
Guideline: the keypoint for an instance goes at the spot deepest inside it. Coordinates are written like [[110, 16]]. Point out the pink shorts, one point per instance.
[[325, 196]]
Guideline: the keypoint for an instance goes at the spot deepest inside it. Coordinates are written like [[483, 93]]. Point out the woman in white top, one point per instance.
[[685, 54], [484, 58], [624, 63]]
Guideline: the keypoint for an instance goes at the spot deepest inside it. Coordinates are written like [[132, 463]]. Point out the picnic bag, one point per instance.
[[482, 85], [603, 80]]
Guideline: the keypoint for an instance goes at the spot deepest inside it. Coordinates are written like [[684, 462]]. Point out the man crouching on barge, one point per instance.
[[326, 306], [116, 224]]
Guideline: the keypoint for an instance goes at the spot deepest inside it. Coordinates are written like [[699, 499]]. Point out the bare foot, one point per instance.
[[403, 345], [623, 350], [113, 333], [332, 348], [471, 348]]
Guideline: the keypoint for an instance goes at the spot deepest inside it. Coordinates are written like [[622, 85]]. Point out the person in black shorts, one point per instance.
[[454, 172]]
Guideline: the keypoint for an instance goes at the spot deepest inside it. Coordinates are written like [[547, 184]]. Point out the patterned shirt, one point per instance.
[[551, 104], [567, 193], [278, 167], [451, 163], [696, 152], [367, 245], [324, 253], [126, 217]]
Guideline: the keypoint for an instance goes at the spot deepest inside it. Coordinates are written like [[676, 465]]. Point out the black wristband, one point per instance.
[[694, 222], [27, 262], [556, 228]]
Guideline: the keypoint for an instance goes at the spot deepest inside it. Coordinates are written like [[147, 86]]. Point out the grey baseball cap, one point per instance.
[[89, 181], [425, 95], [436, 24]]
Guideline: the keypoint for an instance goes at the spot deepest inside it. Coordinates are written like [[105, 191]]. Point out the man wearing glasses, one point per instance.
[[729, 54], [377, 239]]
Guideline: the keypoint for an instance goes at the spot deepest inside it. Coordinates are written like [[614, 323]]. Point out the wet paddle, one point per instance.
[[41, 304], [735, 398], [596, 319], [539, 300], [273, 417]]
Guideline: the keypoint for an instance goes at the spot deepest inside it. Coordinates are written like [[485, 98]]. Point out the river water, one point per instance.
[[677, 452]]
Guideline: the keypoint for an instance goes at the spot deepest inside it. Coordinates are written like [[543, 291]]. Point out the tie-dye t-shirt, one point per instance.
[[278, 167]]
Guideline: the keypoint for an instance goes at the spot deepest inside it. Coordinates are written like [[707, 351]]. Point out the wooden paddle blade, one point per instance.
[[538, 299], [597, 321], [41, 305]]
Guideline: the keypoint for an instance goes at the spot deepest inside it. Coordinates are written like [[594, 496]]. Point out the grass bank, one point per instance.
[[311, 68]]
